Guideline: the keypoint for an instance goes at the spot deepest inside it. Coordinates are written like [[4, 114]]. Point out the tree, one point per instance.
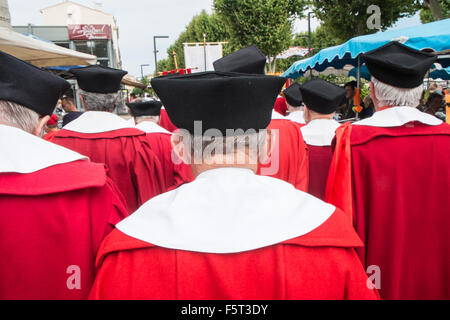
[[434, 10], [265, 23], [204, 23], [347, 19]]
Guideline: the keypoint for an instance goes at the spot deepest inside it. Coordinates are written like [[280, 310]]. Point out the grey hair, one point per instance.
[[147, 118], [101, 101], [15, 115], [388, 95], [203, 148]]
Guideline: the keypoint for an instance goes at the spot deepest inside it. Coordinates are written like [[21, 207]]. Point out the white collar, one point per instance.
[[320, 132], [277, 116], [151, 127], [98, 122], [297, 116], [24, 153], [397, 117], [227, 211]]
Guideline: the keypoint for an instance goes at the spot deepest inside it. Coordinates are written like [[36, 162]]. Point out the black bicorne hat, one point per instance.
[[322, 96], [220, 100], [399, 65], [29, 86], [98, 79], [248, 60]]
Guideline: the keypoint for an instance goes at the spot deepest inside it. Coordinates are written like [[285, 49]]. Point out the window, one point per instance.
[[98, 48]]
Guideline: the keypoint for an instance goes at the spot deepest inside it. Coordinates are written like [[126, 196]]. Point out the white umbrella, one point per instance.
[[40, 53]]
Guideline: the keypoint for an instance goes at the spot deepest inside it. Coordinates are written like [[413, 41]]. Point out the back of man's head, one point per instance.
[[15, 115]]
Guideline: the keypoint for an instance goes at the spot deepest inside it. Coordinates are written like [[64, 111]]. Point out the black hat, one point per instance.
[[322, 96], [293, 95], [29, 86], [98, 79], [398, 65], [248, 60], [145, 108], [221, 100]]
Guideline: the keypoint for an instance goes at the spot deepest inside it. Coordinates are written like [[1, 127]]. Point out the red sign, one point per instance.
[[89, 32]]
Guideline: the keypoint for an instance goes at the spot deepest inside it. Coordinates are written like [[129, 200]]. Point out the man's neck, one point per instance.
[[198, 169]]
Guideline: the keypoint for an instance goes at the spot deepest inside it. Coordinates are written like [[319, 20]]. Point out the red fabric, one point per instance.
[[175, 174], [50, 220], [53, 121], [132, 165], [49, 136], [281, 106], [292, 157], [339, 184], [400, 181], [320, 265], [165, 121], [319, 166]]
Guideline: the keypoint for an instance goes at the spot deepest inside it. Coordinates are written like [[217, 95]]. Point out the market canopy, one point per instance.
[[40, 53], [433, 36]]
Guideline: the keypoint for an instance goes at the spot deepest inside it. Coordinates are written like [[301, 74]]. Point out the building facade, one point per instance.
[[80, 28]]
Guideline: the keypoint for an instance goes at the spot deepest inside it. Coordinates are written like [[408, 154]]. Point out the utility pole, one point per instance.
[[142, 69], [156, 51], [309, 39]]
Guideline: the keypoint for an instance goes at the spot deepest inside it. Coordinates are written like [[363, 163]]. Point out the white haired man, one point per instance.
[[288, 160], [55, 205], [106, 138], [391, 172], [230, 234]]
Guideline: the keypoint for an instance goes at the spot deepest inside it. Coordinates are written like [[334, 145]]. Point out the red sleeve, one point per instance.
[[339, 184], [148, 174], [107, 209], [357, 285]]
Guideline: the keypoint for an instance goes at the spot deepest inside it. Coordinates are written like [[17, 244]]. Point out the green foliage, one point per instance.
[[265, 23], [211, 25], [347, 19], [426, 15]]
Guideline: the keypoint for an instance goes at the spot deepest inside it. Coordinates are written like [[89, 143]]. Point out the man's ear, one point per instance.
[[83, 103], [307, 115], [269, 146], [373, 96], [40, 127], [179, 149]]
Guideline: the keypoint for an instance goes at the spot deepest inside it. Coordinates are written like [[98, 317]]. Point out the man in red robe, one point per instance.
[[106, 138], [391, 173], [321, 100], [230, 234], [288, 159], [55, 206], [146, 115]]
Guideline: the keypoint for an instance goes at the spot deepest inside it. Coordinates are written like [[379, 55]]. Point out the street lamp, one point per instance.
[[156, 51], [142, 69]]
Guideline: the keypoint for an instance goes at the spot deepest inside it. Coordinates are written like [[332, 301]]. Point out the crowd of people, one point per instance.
[[226, 186]]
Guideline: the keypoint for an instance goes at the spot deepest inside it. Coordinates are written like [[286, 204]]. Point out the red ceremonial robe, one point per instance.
[[165, 121], [289, 158], [132, 165], [391, 172], [55, 209], [318, 135], [159, 140], [247, 237], [281, 106]]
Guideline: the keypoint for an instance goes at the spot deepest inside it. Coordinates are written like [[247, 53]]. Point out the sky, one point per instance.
[[140, 20]]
